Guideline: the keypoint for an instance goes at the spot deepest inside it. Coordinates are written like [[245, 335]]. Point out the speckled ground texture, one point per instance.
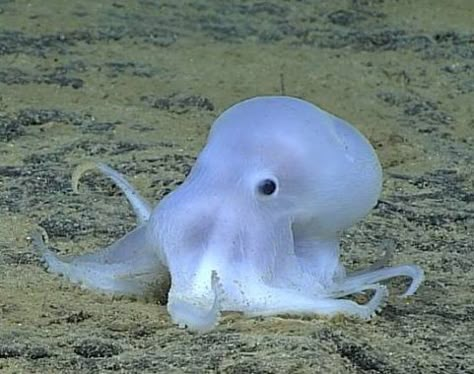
[[136, 84]]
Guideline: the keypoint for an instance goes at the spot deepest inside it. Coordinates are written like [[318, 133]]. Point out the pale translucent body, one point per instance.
[[226, 246]]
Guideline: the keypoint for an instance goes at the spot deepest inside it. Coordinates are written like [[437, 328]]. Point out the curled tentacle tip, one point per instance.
[[417, 275], [39, 239], [378, 301], [79, 171], [195, 318]]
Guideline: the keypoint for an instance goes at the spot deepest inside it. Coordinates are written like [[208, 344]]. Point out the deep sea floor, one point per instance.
[[136, 84]]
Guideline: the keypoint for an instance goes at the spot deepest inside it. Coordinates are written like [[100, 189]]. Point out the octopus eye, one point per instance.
[[267, 187]]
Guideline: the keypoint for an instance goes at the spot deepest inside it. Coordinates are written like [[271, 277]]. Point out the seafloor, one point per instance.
[[136, 84]]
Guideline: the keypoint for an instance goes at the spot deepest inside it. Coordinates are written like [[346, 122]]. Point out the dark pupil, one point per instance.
[[267, 187]]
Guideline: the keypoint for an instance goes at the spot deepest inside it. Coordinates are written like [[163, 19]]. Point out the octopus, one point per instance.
[[255, 227]]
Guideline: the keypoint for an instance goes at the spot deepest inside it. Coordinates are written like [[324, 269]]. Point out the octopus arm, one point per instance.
[[130, 266], [355, 281], [139, 205], [127, 267], [197, 315], [273, 301]]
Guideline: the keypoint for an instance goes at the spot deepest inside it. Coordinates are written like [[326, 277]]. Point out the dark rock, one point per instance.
[[92, 348], [179, 103]]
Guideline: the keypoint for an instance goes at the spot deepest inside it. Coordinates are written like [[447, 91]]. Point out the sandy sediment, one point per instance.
[[136, 84]]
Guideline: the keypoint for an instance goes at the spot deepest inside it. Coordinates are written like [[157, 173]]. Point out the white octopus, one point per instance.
[[255, 227]]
